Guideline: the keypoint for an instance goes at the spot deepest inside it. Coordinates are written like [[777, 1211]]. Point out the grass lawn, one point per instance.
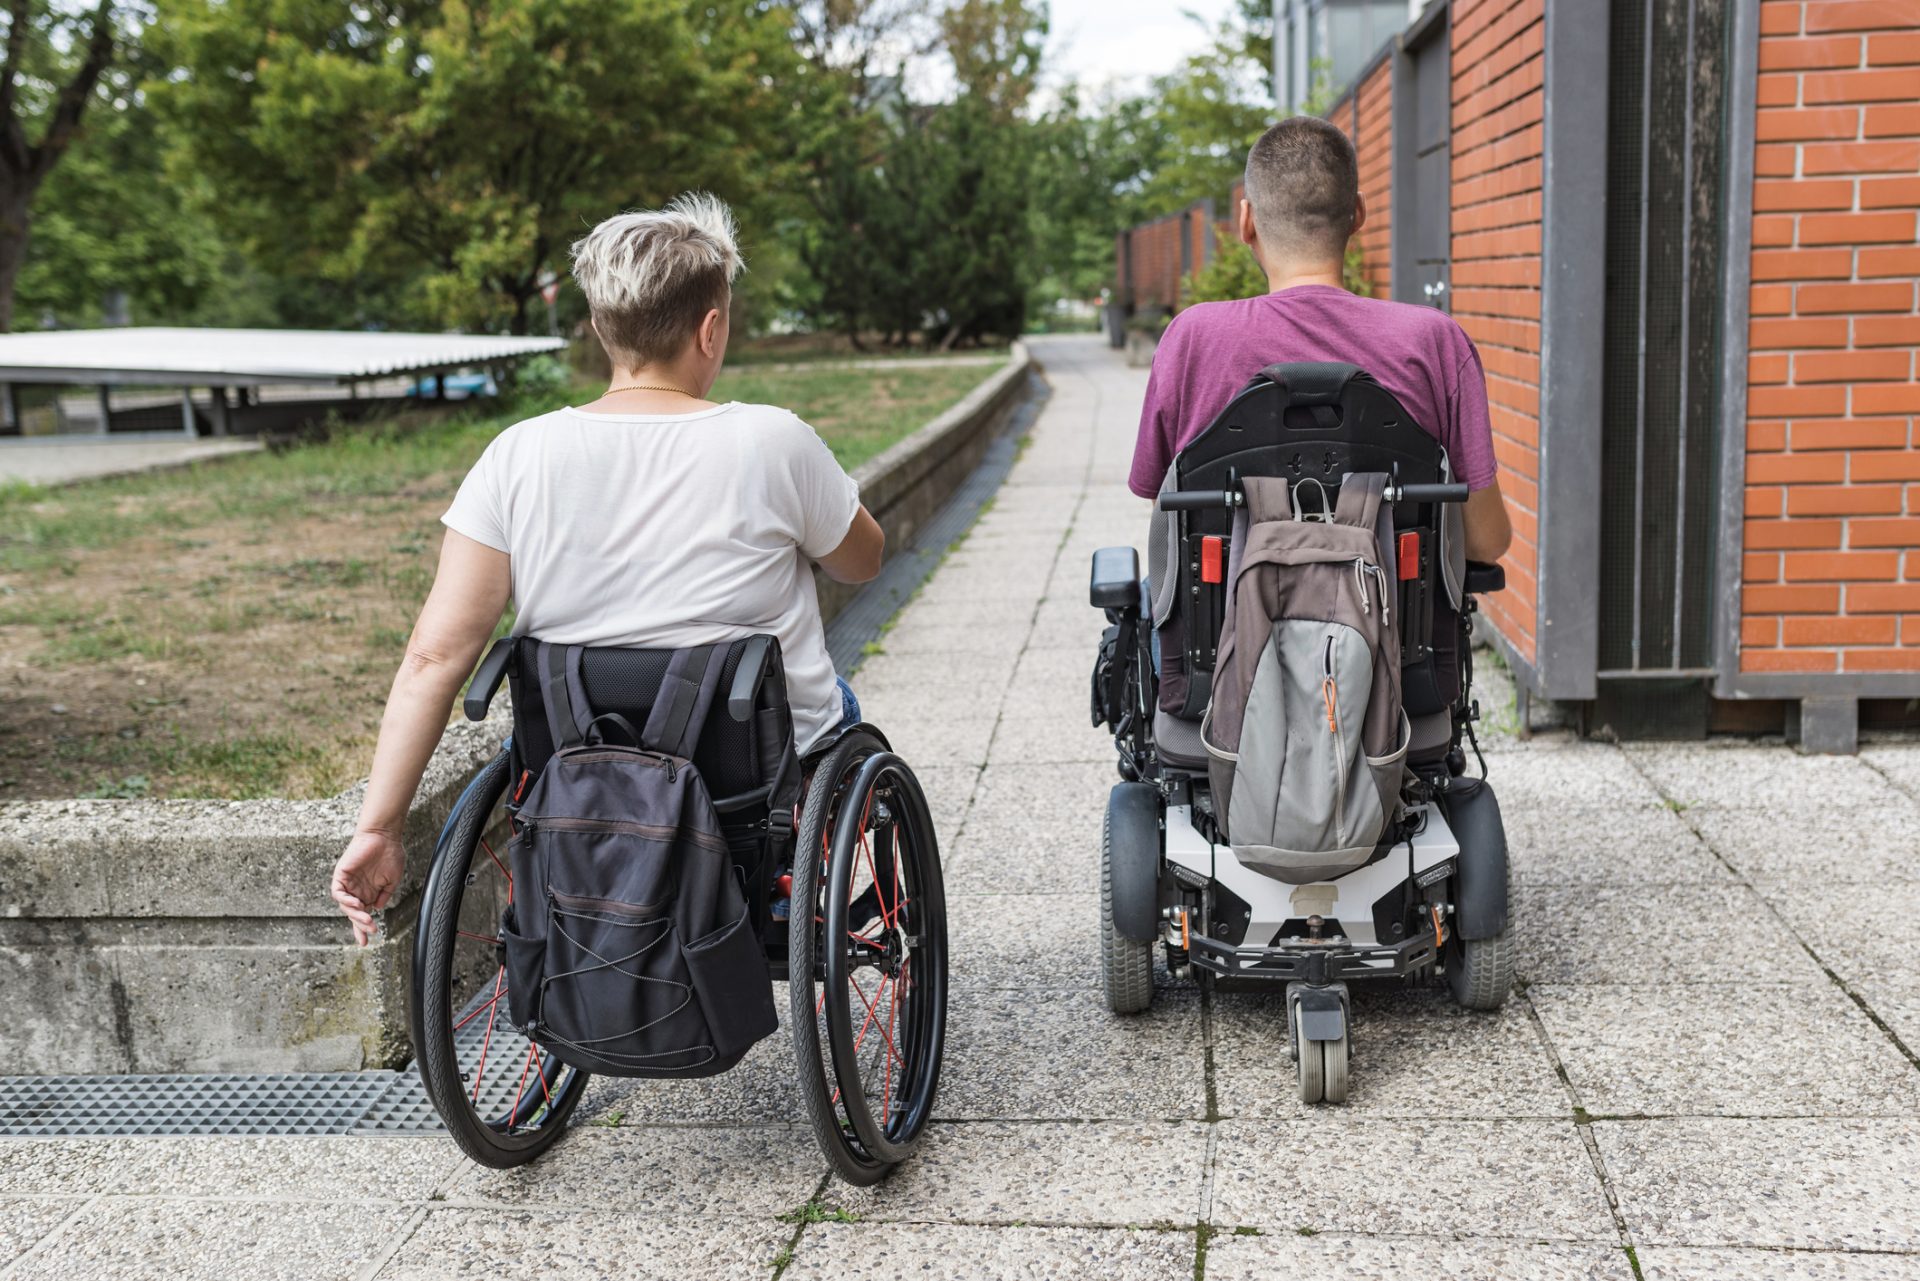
[[229, 630]]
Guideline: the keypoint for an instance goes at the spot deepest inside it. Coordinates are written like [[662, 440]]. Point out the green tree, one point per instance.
[[450, 151], [53, 58], [108, 220], [1209, 113]]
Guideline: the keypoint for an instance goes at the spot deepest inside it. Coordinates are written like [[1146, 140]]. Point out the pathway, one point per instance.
[[1712, 1063]]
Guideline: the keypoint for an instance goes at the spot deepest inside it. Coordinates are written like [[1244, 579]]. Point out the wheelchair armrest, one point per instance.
[[486, 679], [1116, 578], [1483, 578], [747, 677]]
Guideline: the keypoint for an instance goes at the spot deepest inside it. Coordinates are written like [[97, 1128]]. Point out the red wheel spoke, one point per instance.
[[478, 1010], [875, 943], [502, 866], [483, 938], [494, 1009], [514, 1114], [872, 1016]]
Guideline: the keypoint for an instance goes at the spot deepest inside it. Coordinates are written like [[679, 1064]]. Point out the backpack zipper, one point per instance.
[[613, 907], [1330, 691], [653, 831]]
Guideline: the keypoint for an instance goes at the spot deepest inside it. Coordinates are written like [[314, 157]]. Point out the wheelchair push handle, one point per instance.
[[1186, 500]]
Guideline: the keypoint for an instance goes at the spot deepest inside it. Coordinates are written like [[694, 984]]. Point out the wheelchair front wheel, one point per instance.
[[868, 981], [504, 1099]]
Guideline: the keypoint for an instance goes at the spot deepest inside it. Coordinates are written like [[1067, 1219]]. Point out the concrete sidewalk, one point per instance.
[[1710, 1073]]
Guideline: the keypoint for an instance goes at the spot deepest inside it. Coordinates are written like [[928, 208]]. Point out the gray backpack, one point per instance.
[[1305, 733], [628, 945]]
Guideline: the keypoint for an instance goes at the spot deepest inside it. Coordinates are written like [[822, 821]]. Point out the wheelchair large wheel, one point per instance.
[[867, 983], [504, 1099]]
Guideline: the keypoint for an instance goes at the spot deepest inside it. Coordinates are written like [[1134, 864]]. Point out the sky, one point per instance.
[[1092, 41]]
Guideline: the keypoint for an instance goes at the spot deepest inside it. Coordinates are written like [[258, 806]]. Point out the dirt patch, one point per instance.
[[237, 657]]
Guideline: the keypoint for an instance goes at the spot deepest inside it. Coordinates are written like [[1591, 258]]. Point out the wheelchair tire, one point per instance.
[[861, 1149], [1126, 965], [1480, 971], [502, 1098]]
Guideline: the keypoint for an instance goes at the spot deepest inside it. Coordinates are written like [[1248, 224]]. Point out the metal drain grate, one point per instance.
[[289, 1103]]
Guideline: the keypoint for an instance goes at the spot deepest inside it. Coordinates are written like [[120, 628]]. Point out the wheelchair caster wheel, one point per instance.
[[1322, 1070]]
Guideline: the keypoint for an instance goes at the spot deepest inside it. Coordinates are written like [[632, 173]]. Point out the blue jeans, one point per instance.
[[849, 706]]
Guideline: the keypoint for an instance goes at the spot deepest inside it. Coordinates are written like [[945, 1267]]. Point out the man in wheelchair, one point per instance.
[[1290, 686]]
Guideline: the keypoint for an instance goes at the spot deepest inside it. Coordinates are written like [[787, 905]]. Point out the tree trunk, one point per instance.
[[15, 223]]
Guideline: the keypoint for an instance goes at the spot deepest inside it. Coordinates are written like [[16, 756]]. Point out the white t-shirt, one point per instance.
[[666, 531]]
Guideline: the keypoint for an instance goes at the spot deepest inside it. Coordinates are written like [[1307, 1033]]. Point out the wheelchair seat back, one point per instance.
[[1312, 424]]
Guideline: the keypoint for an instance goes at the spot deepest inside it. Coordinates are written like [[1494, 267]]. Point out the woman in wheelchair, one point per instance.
[[649, 521]]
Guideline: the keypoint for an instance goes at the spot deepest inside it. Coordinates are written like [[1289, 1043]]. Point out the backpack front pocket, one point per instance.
[[729, 973]]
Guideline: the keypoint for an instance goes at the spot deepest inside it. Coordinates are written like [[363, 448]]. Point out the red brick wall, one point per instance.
[[1156, 281], [1498, 52], [1831, 577], [1373, 139]]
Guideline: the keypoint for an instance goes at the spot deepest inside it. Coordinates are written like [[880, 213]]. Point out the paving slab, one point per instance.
[[1051, 1173], [944, 1252], [583, 1243], [1023, 941], [1898, 762], [1753, 1050], [1862, 933], [1895, 1002], [1802, 843], [1618, 844], [1288, 1254], [659, 1173], [139, 1239], [1815, 1184], [1414, 1054], [1743, 774], [1032, 828], [1653, 934], [322, 1168], [1024, 740], [1056, 1055], [1515, 1180], [760, 1089], [24, 1220], [938, 742], [1569, 772], [1671, 1263]]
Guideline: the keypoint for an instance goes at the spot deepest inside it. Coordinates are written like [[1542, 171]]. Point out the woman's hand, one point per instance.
[[365, 878]]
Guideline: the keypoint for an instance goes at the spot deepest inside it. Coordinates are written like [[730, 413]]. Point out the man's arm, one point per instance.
[[1489, 532]]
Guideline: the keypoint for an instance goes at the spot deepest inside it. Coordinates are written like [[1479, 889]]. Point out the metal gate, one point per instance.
[[1661, 394]]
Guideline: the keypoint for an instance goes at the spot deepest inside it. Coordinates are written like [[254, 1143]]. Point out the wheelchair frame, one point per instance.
[[875, 886], [1166, 878]]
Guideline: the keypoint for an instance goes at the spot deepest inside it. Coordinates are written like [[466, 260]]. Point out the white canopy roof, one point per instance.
[[244, 357]]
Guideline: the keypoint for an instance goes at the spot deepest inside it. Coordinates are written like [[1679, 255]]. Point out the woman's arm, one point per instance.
[[470, 591], [860, 554]]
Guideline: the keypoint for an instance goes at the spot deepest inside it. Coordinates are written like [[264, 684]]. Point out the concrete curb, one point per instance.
[[191, 936]]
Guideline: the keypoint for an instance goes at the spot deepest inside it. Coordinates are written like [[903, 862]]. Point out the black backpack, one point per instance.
[[629, 949]]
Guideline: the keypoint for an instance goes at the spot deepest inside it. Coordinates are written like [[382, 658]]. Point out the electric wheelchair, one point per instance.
[[1432, 899], [842, 838]]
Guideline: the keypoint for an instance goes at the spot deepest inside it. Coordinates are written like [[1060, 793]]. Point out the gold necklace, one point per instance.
[[652, 387]]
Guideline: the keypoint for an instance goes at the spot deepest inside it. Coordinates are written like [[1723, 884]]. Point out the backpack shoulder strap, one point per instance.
[[559, 680], [686, 695], [1267, 499], [1360, 496]]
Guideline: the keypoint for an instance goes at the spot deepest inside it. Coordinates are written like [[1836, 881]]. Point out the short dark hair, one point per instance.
[[1303, 182]]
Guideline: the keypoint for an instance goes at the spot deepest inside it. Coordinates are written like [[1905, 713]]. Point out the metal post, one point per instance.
[[186, 413], [106, 409], [14, 422], [221, 422]]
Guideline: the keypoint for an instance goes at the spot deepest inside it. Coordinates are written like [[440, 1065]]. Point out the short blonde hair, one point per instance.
[[651, 277]]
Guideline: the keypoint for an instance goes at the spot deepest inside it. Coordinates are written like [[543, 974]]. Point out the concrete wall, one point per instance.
[[196, 936]]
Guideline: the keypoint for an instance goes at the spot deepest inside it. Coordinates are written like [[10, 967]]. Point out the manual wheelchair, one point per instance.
[[843, 835], [1432, 900]]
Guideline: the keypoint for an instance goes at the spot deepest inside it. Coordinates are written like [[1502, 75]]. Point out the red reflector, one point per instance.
[[1212, 556], [1410, 555]]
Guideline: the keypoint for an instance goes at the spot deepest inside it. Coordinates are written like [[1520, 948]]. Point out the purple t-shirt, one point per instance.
[[1212, 349]]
